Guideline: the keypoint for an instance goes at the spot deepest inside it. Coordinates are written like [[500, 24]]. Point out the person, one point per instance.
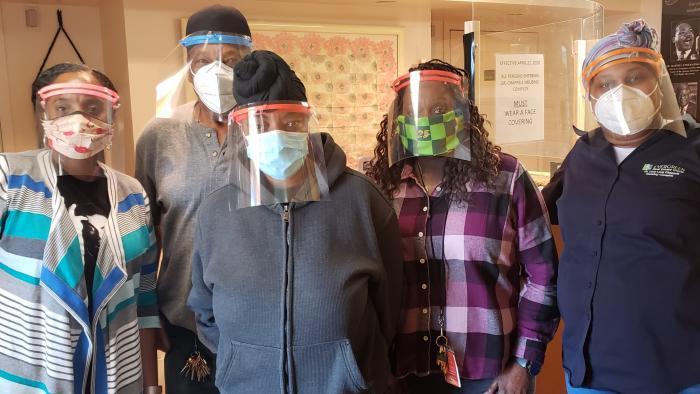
[[180, 157], [683, 96], [626, 200], [297, 271], [479, 303], [684, 43], [77, 253]]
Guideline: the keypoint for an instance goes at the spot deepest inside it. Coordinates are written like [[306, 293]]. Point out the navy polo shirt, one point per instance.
[[629, 276]]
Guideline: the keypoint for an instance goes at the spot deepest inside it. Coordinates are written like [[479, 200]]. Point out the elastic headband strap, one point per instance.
[[216, 39], [243, 113], [427, 75], [78, 88]]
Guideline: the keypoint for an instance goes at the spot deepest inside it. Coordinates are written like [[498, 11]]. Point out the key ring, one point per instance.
[[441, 341]]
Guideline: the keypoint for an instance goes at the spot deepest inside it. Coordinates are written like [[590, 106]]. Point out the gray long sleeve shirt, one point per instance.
[[178, 162], [308, 305]]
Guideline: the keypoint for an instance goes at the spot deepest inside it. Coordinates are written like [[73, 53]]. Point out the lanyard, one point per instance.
[[59, 17]]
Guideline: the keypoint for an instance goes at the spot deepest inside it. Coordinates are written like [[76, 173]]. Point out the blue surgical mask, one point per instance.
[[278, 154]]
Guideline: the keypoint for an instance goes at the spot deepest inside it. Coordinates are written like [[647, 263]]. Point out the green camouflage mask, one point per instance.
[[431, 135]]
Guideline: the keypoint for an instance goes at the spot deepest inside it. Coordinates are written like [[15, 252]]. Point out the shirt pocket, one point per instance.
[[328, 367]]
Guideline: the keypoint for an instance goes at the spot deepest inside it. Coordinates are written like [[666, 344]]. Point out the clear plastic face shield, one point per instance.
[[629, 91], [78, 120], [429, 117], [278, 155], [201, 70]]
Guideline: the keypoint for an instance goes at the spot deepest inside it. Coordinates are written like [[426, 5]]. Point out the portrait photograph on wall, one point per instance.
[[680, 47]]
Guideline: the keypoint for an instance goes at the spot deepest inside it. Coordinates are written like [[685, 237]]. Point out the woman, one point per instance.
[[628, 202], [296, 271], [77, 265], [474, 229]]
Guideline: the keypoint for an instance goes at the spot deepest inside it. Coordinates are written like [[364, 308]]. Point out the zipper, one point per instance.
[[285, 314]]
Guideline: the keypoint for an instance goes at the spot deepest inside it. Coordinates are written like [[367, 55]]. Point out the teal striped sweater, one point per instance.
[[46, 336]]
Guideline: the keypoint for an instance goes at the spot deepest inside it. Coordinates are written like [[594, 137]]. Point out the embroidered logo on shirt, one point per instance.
[[663, 170]]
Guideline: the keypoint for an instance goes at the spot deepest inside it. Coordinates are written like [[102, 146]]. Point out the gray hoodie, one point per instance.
[[304, 302]]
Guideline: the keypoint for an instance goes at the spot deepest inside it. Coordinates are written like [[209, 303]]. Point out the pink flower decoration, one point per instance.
[[362, 48], [318, 78], [385, 48], [261, 41], [341, 67], [366, 98], [311, 44], [341, 87], [337, 45], [283, 43], [386, 64]]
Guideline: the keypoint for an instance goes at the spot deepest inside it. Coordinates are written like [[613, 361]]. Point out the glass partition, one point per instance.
[[527, 79]]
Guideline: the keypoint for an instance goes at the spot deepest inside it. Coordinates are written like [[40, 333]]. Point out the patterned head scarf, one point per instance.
[[635, 34]]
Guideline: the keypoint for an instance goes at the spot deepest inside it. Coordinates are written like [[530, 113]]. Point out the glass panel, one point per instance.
[[528, 79]]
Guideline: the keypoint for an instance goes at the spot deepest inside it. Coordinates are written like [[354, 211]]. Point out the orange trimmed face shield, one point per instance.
[[427, 75], [294, 116], [620, 56]]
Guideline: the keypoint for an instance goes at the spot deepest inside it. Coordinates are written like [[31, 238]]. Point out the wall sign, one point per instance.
[[519, 98]]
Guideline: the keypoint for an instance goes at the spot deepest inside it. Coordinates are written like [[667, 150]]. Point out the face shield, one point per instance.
[[278, 155], [429, 117], [78, 119], [201, 69], [630, 90]]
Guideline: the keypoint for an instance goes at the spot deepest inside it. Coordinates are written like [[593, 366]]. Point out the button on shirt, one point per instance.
[[629, 278], [179, 162], [498, 240]]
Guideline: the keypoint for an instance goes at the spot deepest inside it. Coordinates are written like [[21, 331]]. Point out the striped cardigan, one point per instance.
[[45, 332]]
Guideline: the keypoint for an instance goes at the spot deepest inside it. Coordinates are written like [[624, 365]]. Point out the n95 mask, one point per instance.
[[214, 86], [625, 110]]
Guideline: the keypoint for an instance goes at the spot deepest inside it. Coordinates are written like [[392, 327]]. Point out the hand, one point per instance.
[[514, 379]]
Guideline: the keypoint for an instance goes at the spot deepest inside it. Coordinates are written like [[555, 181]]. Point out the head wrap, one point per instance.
[[635, 34], [218, 18], [264, 76]]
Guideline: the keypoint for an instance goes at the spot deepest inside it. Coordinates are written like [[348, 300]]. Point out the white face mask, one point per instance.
[[76, 136], [214, 86], [625, 110]]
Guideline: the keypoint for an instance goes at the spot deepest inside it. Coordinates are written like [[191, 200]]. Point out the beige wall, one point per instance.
[[116, 65], [24, 49]]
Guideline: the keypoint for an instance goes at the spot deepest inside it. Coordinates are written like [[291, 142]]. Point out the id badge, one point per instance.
[[452, 372]]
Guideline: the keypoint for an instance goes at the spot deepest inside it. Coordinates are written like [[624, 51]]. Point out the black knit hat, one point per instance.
[[264, 76], [218, 18]]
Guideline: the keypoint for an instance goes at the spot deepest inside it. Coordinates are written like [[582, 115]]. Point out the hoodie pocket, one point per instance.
[[246, 368], [327, 368]]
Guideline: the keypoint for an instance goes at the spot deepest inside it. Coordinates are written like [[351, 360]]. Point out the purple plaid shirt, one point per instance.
[[500, 289]]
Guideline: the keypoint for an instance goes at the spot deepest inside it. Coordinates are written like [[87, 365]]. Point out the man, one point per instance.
[[627, 200], [684, 42], [683, 96], [179, 161]]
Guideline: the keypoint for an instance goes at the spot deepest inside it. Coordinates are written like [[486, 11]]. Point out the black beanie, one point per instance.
[[218, 18], [264, 76]]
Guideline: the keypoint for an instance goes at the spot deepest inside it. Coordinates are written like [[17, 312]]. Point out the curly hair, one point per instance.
[[458, 174]]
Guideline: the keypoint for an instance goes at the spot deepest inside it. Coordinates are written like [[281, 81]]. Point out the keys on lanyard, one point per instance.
[[446, 359]]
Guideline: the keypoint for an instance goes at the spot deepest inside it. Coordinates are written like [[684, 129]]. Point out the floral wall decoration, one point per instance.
[[347, 79]]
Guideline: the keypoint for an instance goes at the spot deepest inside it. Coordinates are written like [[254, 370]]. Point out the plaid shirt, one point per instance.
[[500, 289]]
